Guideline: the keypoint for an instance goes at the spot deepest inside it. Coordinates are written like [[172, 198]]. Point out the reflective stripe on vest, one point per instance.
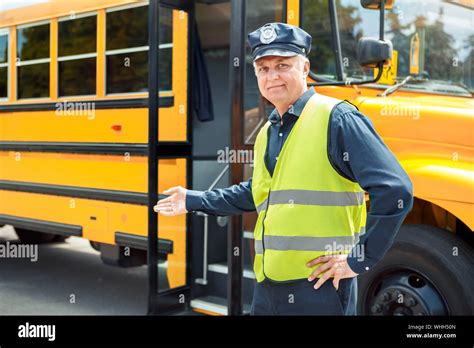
[[305, 243], [308, 197], [307, 209]]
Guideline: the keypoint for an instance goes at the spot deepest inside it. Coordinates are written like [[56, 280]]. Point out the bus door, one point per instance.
[[169, 151]]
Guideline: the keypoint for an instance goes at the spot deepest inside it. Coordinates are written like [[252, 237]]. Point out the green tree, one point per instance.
[[317, 23], [441, 58]]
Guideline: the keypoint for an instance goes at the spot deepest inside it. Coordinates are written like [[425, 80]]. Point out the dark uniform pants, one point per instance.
[[300, 298]]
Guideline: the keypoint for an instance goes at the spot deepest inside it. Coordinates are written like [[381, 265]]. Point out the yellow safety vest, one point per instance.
[[307, 209]]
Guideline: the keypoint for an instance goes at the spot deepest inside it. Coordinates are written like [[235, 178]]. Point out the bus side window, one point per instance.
[[3, 64], [33, 60], [77, 55], [127, 50]]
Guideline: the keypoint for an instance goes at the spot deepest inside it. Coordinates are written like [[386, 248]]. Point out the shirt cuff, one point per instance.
[[193, 200], [359, 263]]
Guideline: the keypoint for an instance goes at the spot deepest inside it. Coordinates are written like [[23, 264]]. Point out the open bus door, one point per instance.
[[163, 297]]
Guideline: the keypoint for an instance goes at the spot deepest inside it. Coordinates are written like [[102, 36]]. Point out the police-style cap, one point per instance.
[[279, 39]]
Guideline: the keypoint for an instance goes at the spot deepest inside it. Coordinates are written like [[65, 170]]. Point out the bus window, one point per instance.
[[127, 50], [33, 60], [444, 30], [3, 64], [77, 54], [445, 33], [257, 14]]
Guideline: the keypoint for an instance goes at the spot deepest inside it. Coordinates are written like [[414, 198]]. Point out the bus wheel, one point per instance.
[[33, 237], [428, 271]]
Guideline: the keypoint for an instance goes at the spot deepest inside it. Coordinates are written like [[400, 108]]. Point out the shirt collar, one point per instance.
[[296, 109]]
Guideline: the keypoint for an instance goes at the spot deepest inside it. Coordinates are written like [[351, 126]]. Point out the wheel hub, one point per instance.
[[404, 293]]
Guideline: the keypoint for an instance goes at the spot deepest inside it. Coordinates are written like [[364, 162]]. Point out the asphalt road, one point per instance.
[[69, 278]]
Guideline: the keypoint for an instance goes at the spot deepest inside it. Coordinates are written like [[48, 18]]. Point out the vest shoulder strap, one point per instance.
[[262, 131]]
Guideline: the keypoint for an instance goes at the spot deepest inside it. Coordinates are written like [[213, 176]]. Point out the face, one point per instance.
[[281, 80]]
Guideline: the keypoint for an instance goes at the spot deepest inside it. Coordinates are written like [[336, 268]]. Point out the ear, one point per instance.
[[306, 68]]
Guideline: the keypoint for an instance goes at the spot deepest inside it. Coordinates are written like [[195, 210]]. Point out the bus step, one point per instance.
[[213, 305], [223, 268], [217, 277]]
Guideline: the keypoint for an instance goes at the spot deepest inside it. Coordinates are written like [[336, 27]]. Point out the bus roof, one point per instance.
[[45, 9]]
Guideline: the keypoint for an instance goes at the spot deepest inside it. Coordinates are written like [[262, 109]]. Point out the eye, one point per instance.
[[282, 66], [262, 69]]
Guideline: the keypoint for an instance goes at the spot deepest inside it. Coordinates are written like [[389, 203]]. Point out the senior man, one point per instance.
[[313, 160]]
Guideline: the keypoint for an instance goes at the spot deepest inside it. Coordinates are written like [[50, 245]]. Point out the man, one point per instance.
[[313, 161]]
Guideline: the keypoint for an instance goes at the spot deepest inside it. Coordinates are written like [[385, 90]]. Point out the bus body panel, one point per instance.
[[432, 137]]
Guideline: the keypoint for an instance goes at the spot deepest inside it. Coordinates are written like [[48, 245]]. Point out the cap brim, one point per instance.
[[274, 52]]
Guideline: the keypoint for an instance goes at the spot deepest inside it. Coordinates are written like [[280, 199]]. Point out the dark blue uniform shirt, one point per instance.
[[356, 152]]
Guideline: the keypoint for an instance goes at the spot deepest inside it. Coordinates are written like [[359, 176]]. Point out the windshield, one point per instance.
[[444, 28]]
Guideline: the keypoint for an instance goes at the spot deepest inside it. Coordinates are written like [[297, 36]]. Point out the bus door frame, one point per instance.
[[175, 299], [235, 258]]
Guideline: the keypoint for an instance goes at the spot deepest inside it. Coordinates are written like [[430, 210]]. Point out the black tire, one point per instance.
[[422, 265], [33, 237]]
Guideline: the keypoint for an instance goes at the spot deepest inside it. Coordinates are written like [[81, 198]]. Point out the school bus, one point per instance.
[[86, 150], [75, 126]]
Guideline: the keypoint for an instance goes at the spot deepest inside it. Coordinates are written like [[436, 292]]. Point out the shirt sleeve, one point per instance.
[[357, 152], [232, 200]]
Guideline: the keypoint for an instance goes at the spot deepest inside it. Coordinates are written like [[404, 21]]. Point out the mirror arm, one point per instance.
[[348, 82], [382, 20]]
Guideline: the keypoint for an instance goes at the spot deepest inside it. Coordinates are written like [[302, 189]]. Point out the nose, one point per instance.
[[273, 75]]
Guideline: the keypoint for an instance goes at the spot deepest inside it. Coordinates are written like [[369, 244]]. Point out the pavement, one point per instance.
[[68, 278]]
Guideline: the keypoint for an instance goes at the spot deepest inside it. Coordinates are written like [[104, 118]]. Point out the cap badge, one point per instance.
[[268, 34]]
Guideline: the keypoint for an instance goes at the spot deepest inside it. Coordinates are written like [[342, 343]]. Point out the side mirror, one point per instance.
[[375, 4], [371, 52]]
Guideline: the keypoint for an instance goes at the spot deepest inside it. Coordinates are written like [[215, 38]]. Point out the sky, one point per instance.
[[9, 4]]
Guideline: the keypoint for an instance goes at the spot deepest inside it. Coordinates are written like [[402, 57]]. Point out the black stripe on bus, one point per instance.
[[51, 146], [79, 192], [165, 149], [41, 225], [97, 104], [184, 5], [165, 246]]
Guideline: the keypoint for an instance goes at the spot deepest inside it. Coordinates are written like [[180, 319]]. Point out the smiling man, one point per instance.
[[313, 160]]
